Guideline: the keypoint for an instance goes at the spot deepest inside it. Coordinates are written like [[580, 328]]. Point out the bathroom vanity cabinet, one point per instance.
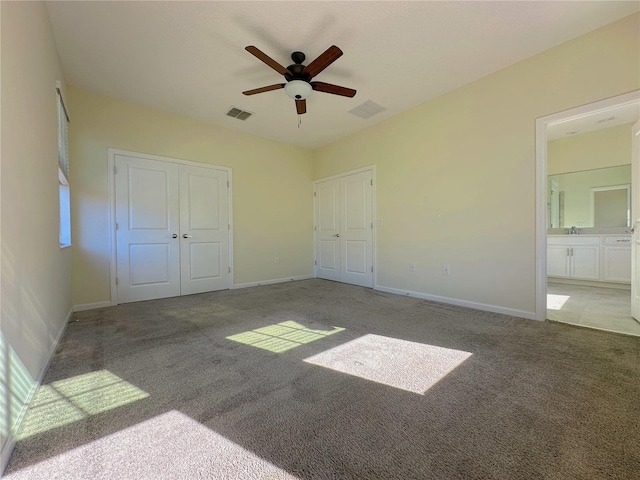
[[616, 261], [603, 258]]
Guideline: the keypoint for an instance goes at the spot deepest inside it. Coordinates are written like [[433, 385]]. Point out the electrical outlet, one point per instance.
[[412, 267], [445, 269], [276, 259]]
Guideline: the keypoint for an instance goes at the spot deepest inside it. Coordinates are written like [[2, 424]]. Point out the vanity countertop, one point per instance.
[[589, 235]]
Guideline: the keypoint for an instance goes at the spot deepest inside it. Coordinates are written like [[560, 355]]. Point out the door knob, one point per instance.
[[187, 236], [175, 235], [337, 235]]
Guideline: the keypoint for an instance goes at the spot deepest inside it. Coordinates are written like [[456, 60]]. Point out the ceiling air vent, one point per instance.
[[367, 110], [239, 114]]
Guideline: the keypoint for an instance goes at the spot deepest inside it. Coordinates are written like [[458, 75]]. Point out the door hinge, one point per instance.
[[371, 268], [314, 194], [315, 262], [227, 183], [372, 183], [116, 225], [115, 170], [116, 280], [315, 229], [228, 226], [229, 269]]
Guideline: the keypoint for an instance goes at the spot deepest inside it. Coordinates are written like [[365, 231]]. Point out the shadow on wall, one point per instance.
[[23, 322], [16, 387]]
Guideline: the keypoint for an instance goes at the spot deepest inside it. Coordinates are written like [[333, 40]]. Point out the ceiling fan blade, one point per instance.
[[301, 106], [277, 86], [266, 59], [334, 89], [330, 55]]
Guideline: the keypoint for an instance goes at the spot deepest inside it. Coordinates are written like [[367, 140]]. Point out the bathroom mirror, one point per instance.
[[591, 198]]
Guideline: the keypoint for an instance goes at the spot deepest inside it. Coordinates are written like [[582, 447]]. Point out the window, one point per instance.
[[63, 172]]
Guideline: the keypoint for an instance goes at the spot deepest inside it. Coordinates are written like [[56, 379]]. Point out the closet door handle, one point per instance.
[[337, 235], [187, 236], [175, 235]]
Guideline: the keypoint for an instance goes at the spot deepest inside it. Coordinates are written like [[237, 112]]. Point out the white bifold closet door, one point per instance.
[[172, 229], [344, 229]]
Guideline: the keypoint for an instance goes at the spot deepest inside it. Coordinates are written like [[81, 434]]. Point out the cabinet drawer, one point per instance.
[[620, 241]]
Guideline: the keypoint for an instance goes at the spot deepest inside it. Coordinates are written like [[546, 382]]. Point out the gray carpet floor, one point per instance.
[[156, 390]]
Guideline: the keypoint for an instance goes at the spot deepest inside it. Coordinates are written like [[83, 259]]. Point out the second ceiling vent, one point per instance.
[[367, 110]]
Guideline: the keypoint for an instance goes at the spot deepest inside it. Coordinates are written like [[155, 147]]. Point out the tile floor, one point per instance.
[[594, 307]]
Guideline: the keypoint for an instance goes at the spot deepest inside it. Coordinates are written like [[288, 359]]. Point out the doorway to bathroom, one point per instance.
[[585, 221]]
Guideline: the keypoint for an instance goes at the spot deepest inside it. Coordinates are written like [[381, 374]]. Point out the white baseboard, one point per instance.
[[271, 282], [5, 455], [460, 303], [91, 306]]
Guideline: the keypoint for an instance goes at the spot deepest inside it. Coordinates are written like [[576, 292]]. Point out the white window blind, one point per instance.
[[63, 137]]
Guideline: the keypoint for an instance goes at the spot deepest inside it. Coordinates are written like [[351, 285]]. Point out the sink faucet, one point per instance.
[[573, 231]]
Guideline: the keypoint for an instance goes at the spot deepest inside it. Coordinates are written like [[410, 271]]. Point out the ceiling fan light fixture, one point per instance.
[[298, 89]]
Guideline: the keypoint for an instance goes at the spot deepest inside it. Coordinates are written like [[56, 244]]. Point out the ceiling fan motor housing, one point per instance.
[[296, 70]]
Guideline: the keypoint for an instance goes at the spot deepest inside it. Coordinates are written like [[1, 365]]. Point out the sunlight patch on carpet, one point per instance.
[[72, 399], [410, 366], [170, 445], [556, 302], [282, 336]]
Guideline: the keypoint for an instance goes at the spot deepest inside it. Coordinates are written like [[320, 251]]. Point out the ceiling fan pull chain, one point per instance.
[[299, 120]]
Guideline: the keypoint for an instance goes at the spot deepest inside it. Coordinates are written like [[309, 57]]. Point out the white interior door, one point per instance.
[[328, 254], [356, 238], [344, 229], [204, 230], [147, 220], [635, 220], [172, 228]]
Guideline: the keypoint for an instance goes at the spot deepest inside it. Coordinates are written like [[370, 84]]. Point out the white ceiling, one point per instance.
[[188, 58]]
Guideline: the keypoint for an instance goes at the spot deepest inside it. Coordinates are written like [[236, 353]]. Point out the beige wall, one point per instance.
[[456, 175], [603, 148], [272, 202], [35, 291]]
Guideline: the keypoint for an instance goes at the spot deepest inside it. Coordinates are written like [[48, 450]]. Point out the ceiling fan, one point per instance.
[[298, 76]]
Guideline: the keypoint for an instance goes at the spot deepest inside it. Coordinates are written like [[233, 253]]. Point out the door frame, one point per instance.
[[372, 169], [541, 182], [111, 156]]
